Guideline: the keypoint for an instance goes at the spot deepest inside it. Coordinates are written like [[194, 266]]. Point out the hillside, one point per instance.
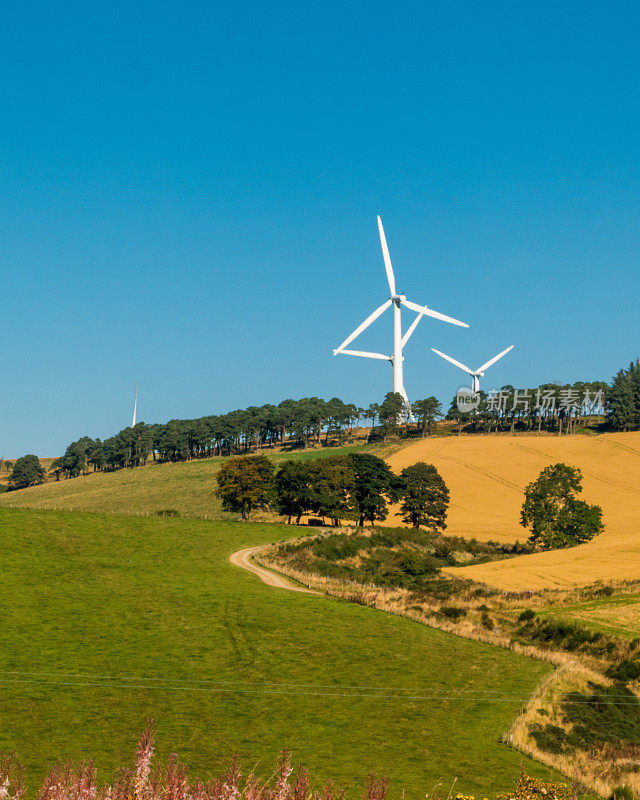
[[487, 476], [186, 487], [4, 472], [109, 619]]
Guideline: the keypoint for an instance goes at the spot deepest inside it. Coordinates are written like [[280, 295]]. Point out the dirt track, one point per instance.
[[244, 559]]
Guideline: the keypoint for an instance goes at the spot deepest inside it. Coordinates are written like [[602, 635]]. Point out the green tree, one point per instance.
[[426, 497], [293, 491], [246, 483], [552, 512], [27, 471], [372, 412], [373, 485], [623, 399], [427, 411], [332, 483], [391, 409]]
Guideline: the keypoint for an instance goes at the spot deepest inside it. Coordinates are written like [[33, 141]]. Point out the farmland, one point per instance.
[[109, 619], [487, 476]]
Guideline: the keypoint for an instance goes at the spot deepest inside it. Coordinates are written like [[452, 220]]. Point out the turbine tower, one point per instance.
[[135, 407], [399, 341], [476, 374]]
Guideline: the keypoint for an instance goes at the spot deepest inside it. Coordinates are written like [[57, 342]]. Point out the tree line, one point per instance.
[[552, 407], [356, 487], [301, 423], [312, 421]]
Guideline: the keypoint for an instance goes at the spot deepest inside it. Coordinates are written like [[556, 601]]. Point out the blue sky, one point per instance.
[[189, 199]]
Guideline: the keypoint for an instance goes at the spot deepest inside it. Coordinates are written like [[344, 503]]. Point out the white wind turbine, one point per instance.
[[399, 341], [476, 374], [135, 407]]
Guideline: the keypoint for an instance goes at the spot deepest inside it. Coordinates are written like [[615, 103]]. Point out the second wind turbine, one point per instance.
[[399, 341]]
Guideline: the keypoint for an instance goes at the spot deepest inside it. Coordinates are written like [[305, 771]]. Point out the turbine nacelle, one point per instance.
[[398, 299]]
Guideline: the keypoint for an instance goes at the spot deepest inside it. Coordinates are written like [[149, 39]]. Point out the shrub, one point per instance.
[[486, 621], [453, 612], [550, 738], [565, 635], [534, 789], [621, 793], [626, 670], [605, 715], [335, 548], [527, 615]]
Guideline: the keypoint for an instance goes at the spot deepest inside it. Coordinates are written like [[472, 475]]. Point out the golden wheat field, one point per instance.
[[486, 476]]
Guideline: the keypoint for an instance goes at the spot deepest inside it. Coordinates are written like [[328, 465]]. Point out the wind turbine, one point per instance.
[[399, 341], [135, 407], [476, 374]]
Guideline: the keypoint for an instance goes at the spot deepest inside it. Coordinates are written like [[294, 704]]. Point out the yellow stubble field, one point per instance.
[[486, 476]]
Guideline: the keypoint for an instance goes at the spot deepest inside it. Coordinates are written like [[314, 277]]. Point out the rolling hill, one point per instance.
[[186, 487], [487, 476], [109, 619]]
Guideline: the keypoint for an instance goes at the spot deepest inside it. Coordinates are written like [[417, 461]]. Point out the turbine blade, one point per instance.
[[387, 259], [453, 361], [371, 318], [431, 313], [412, 328], [364, 354], [408, 404], [494, 359], [135, 408]]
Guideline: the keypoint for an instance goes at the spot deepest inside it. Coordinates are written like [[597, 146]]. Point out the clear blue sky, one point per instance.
[[189, 197]]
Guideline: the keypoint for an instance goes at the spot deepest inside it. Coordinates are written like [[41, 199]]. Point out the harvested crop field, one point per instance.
[[487, 476]]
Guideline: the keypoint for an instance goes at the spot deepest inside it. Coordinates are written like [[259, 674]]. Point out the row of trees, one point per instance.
[[561, 408], [314, 421], [293, 423], [360, 485], [356, 487]]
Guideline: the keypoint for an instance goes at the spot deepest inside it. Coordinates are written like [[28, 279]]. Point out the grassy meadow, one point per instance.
[[110, 619], [618, 615], [186, 487]]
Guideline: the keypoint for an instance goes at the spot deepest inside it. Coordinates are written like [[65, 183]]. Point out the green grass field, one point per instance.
[[618, 615], [108, 619], [186, 487]]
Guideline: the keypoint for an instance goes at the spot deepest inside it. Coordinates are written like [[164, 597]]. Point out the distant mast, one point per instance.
[[135, 407]]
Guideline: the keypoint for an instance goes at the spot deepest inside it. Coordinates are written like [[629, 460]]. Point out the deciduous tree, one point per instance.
[[374, 484], [246, 483], [425, 497], [27, 471], [552, 512]]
